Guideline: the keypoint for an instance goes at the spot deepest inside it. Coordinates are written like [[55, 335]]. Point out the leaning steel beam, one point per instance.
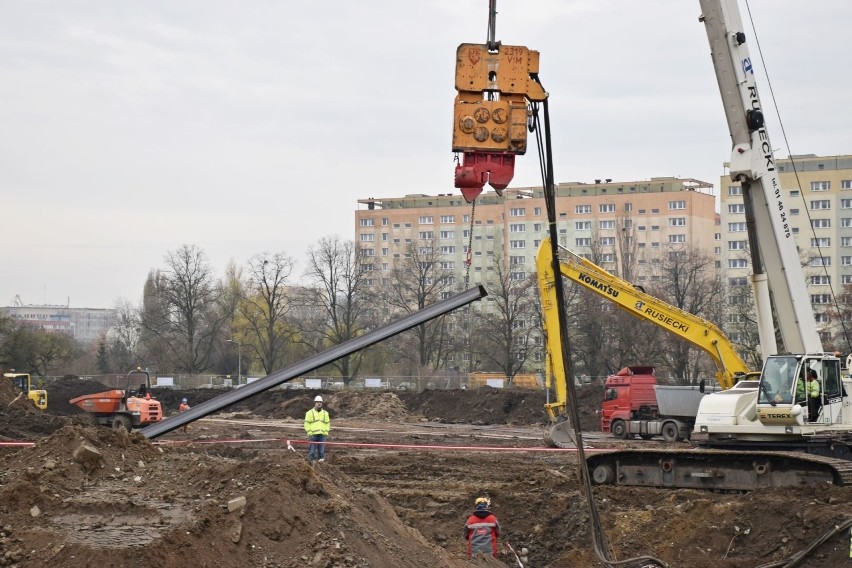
[[307, 365]]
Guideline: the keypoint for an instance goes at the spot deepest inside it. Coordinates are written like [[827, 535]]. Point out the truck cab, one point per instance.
[[628, 396]]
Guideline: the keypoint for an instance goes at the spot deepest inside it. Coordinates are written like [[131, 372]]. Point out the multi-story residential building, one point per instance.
[[614, 224], [818, 194], [607, 222], [85, 325]]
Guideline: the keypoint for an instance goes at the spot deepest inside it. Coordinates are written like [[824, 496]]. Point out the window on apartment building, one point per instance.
[[608, 224], [448, 250], [367, 267], [821, 223], [845, 241], [736, 227], [641, 211], [607, 241], [536, 211], [640, 228], [448, 234], [447, 265], [537, 243], [517, 227], [821, 318], [537, 227], [820, 261], [794, 193], [425, 220], [628, 207], [407, 225], [517, 212], [385, 252], [738, 299], [736, 208], [677, 238], [608, 257], [448, 280], [820, 204], [738, 281], [580, 209], [518, 276], [448, 218], [368, 252], [385, 221], [846, 279], [794, 211], [583, 242], [820, 298], [677, 205], [717, 236], [820, 185], [737, 263], [717, 250], [367, 222], [515, 260], [583, 225], [821, 280], [655, 227], [737, 245], [425, 251], [426, 235], [846, 222], [654, 211], [677, 221], [821, 242], [655, 245], [737, 318], [517, 244], [607, 207], [735, 190], [846, 184], [846, 260], [466, 219], [367, 238], [846, 203]]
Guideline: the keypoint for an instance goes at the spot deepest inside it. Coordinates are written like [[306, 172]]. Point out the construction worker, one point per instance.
[[183, 408], [482, 529], [317, 425], [814, 399]]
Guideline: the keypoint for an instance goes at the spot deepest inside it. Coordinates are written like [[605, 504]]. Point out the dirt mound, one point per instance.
[[188, 508], [20, 419]]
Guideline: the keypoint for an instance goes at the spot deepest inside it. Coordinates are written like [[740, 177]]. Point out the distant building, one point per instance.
[[604, 221], [85, 325]]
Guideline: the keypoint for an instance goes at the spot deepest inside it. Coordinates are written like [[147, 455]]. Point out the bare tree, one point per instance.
[[184, 308], [687, 280], [338, 269], [415, 283], [265, 308], [123, 336], [503, 331]]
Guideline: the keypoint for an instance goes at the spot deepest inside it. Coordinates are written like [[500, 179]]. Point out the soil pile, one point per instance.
[[89, 496]]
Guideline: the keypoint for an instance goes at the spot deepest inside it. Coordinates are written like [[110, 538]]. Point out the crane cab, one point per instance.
[[786, 395]]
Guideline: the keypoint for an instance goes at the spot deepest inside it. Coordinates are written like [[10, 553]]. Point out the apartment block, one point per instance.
[[818, 195], [606, 221], [85, 325]]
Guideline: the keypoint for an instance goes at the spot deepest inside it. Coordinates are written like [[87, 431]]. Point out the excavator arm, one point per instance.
[[691, 328]]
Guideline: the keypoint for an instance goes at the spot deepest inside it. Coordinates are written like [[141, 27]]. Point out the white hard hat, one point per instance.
[[318, 398]]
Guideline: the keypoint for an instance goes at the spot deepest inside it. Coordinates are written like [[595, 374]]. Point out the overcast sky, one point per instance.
[[130, 128]]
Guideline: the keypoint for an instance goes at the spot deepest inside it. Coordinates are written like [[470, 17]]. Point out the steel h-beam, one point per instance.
[[314, 362]]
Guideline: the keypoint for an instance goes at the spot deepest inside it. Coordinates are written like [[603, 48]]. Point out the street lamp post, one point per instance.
[[239, 358]]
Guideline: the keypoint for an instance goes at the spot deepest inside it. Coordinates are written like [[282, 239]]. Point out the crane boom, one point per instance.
[[753, 165]]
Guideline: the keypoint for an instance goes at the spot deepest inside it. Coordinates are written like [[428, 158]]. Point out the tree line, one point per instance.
[[266, 314]]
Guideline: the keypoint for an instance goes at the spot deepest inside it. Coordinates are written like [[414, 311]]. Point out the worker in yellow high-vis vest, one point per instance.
[[317, 426]]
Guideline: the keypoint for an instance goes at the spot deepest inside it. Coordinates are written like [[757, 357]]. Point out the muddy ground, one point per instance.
[[394, 493]]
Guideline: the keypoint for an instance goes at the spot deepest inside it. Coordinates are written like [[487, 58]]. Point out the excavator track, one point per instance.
[[725, 470]]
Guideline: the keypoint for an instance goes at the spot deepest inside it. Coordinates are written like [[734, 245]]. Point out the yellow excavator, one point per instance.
[[730, 368], [24, 382]]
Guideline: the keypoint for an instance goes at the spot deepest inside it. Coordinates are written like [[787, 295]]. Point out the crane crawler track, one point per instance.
[[717, 469]]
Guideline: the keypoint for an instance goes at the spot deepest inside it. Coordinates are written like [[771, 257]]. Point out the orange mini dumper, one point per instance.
[[123, 409]]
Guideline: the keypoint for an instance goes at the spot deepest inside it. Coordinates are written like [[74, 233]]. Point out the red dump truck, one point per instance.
[[635, 404]]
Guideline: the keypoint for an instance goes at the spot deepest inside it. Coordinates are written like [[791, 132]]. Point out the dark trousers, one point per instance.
[[814, 404]]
